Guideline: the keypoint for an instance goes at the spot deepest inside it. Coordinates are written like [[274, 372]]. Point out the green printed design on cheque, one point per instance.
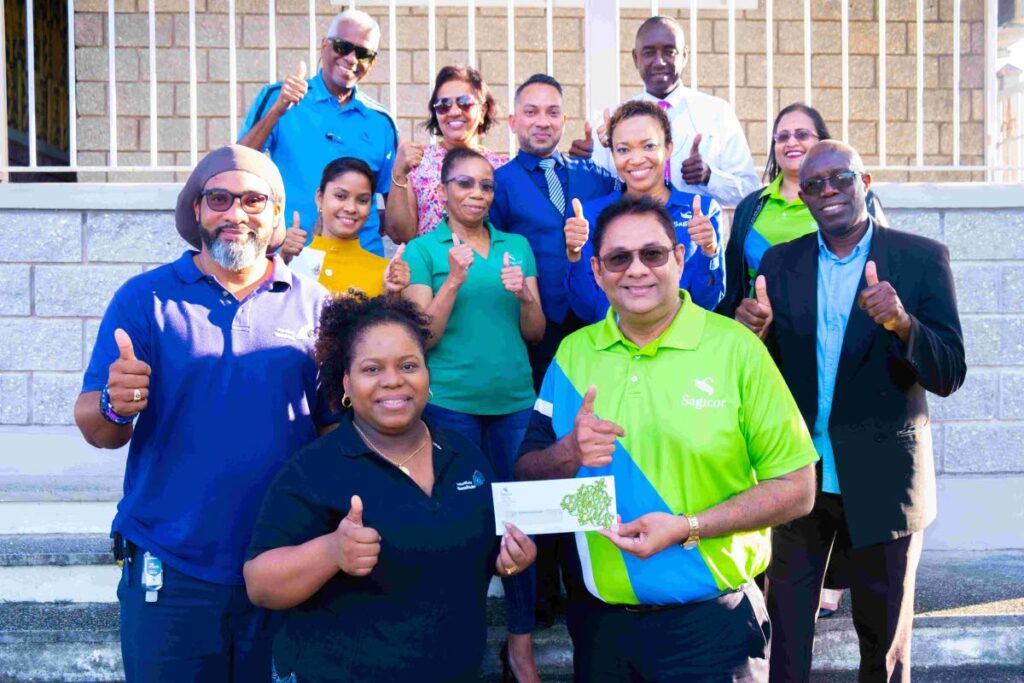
[[590, 505]]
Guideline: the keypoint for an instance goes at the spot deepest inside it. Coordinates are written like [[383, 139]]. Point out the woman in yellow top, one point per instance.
[[335, 258]]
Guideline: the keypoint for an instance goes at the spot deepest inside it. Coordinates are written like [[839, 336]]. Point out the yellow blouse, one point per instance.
[[347, 265]]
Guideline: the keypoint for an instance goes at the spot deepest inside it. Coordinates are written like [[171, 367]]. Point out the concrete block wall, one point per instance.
[[60, 265], [132, 70]]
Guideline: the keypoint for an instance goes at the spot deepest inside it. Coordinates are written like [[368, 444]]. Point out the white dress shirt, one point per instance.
[[723, 145]]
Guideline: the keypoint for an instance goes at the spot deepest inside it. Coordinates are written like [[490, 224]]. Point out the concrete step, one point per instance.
[[60, 550]]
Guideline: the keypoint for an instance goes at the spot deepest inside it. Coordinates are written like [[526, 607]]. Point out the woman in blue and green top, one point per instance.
[[478, 285], [775, 213]]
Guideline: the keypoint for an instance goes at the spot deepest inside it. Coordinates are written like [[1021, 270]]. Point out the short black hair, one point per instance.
[[633, 108], [542, 79], [343, 322], [660, 20], [455, 156], [630, 205]]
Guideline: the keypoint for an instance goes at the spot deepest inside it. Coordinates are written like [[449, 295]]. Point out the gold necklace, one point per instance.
[[378, 451]]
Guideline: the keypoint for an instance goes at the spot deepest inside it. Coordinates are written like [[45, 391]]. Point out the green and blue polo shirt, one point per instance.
[[706, 414]]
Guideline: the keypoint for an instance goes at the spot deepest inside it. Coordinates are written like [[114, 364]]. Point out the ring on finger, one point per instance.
[[136, 395], [509, 571]]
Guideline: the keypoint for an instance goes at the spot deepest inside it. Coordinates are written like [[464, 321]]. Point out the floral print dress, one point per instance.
[[426, 180]]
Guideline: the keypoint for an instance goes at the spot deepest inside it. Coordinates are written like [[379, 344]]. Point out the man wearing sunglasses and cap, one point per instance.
[[306, 124], [690, 415], [205, 368], [862, 321]]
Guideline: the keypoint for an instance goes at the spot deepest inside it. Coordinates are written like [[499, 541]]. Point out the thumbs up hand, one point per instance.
[[880, 301], [397, 274], [513, 281], [460, 258], [583, 149], [594, 439], [602, 130], [756, 314], [293, 89], [355, 548], [695, 171], [127, 379], [577, 231], [701, 230], [294, 239]]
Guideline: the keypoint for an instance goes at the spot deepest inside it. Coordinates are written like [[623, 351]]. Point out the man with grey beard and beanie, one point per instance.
[[205, 368]]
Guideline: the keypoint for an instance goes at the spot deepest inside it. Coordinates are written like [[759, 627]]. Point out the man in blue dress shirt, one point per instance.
[[534, 196], [306, 124]]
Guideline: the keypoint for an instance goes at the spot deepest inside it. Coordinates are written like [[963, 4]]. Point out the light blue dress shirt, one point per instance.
[[837, 288], [315, 132]]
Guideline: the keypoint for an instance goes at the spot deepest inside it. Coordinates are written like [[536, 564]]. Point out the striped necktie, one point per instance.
[[668, 163], [554, 184]]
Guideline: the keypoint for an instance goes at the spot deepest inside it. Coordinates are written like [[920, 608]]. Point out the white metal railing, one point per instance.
[[601, 55]]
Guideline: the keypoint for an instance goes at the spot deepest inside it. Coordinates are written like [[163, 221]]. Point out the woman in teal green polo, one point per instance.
[[479, 287]]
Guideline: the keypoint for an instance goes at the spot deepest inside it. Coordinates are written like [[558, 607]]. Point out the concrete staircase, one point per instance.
[[59, 615]]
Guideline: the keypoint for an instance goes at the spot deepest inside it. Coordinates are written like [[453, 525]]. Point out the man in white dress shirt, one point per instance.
[[711, 155]]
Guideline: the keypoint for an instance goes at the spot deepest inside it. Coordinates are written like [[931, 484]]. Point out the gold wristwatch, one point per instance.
[[693, 538]]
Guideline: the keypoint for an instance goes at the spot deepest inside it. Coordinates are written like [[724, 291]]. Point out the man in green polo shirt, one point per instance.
[[690, 414]]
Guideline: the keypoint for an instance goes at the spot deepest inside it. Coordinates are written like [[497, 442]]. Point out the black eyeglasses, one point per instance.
[[839, 181], [466, 183], [222, 200], [801, 134], [442, 105], [343, 47], [652, 257]]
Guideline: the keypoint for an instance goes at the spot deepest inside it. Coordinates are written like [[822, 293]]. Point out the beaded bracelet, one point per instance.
[[108, 412]]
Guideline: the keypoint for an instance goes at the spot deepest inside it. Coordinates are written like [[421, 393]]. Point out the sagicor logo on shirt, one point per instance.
[[705, 385]]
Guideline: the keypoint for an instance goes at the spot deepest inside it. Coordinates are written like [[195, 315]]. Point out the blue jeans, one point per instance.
[[499, 437], [195, 631]]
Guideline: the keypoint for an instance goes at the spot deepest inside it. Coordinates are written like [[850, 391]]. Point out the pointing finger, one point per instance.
[[696, 206], [296, 222], [577, 208], [607, 116], [871, 273], [505, 260], [301, 70], [124, 344], [588, 132], [455, 240], [761, 290], [694, 151], [355, 513], [588, 400], [398, 253]]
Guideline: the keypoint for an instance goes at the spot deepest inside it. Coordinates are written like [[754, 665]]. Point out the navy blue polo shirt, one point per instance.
[[232, 394], [315, 132], [420, 614]]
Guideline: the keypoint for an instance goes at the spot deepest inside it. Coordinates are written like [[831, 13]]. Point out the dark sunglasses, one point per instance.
[[466, 183], [801, 134], [222, 200], [840, 182], [652, 257], [442, 105], [343, 47]]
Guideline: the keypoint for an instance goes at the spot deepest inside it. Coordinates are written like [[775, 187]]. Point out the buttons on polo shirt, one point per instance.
[[634, 378], [226, 293]]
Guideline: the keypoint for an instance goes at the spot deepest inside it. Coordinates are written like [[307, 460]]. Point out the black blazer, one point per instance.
[[879, 423]]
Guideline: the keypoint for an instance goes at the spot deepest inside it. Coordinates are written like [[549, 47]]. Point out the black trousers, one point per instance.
[[881, 580], [721, 640]]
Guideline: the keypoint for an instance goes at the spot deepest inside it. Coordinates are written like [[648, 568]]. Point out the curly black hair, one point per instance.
[[467, 74], [343, 322], [633, 108]]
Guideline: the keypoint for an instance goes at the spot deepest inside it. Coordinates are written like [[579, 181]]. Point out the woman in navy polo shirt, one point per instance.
[[378, 538]]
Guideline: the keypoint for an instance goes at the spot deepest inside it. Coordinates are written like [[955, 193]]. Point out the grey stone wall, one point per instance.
[[59, 268]]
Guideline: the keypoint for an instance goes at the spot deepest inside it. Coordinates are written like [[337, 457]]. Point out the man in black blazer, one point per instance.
[[862, 321]]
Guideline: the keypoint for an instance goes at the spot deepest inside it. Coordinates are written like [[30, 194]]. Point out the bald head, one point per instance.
[[837, 150]]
